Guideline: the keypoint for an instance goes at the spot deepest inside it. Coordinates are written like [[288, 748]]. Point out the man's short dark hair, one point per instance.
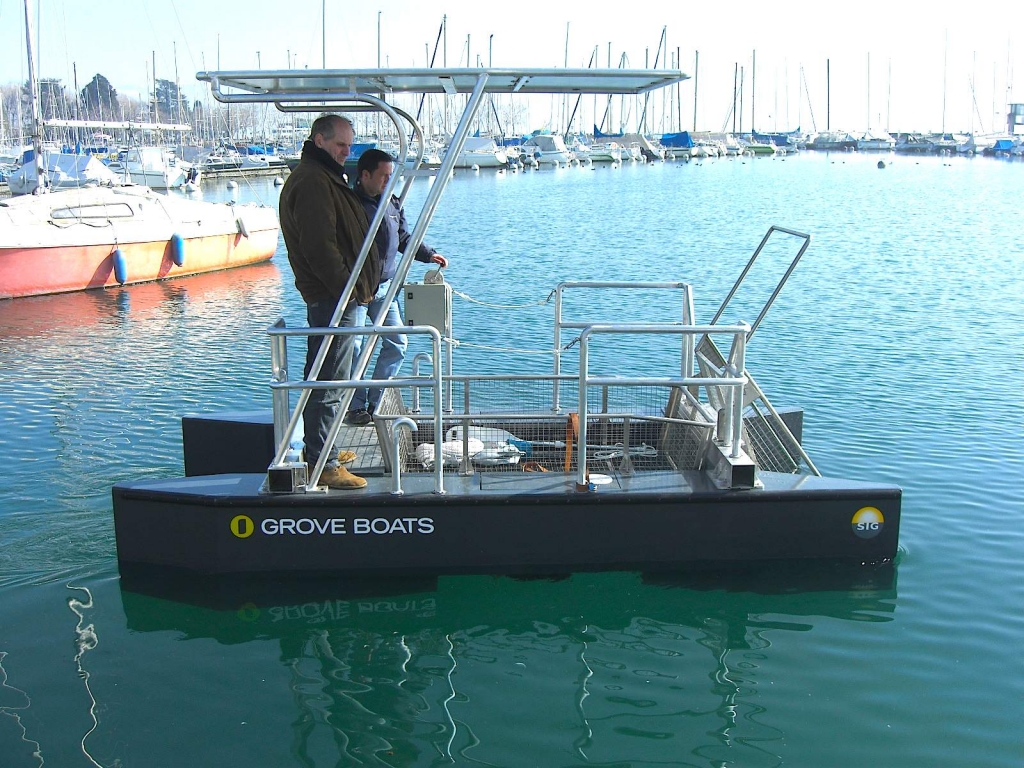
[[370, 160], [326, 125]]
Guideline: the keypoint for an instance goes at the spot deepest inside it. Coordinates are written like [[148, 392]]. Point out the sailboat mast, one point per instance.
[[696, 69], [753, 90], [869, 92], [828, 95], [945, 58], [33, 86], [679, 95], [888, 98]]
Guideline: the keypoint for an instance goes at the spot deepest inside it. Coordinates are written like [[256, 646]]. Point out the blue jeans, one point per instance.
[[322, 408], [391, 352]]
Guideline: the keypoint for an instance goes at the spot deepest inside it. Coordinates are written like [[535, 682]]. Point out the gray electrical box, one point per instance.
[[429, 304]]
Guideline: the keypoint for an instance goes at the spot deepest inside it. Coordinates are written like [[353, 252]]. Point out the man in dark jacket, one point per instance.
[[324, 225], [373, 171]]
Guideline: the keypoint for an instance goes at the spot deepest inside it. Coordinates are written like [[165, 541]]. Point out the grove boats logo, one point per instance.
[[242, 526], [867, 522]]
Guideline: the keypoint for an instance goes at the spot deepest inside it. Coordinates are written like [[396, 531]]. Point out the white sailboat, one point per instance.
[[93, 236]]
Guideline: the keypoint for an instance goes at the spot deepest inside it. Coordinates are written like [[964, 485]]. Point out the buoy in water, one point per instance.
[[475, 167], [881, 163], [278, 181], [178, 249], [120, 266], [232, 185]]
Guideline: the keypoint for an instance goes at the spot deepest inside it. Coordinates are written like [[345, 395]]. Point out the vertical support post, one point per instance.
[[435, 341], [396, 460], [417, 359], [688, 338], [449, 348], [581, 446], [279, 375], [626, 465], [740, 364], [466, 465], [558, 348]]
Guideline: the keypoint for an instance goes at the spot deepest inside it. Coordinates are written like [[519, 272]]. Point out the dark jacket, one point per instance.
[[324, 224], [393, 235]]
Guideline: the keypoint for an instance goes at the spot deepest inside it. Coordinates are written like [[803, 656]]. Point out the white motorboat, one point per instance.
[[481, 152], [877, 141], [548, 149], [62, 172], [608, 152], [154, 167]]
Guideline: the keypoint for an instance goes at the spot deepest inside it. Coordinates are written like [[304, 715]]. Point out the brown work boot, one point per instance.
[[341, 478]]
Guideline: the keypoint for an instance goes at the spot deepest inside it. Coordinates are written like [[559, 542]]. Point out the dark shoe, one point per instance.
[[346, 457], [359, 418], [341, 478]]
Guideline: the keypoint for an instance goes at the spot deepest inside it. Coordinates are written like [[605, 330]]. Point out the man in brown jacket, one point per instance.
[[324, 224]]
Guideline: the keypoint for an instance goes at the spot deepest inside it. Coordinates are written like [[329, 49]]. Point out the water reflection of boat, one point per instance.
[[620, 656], [40, 316]]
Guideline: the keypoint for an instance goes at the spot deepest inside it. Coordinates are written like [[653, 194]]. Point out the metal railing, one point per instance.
[[730, 421], [687, 317], [286, 421]]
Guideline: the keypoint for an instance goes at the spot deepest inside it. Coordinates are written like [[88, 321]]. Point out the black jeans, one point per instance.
[[322, 408]]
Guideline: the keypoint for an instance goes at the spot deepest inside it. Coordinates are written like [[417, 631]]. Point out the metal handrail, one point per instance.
[[782, 282], [687, 317], [280, 387], [732, 427]]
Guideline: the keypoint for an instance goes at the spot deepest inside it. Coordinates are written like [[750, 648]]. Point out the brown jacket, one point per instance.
[[324, 224]]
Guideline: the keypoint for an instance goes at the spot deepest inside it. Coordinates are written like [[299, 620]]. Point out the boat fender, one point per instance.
[[493, 457], [120, 266], [178, 250], [492, 437], [242, 229]]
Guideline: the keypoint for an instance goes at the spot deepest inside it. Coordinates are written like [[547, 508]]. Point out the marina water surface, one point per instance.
[[899, 334]]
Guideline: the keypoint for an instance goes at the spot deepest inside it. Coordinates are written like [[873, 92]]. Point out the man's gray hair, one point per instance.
[[326, 125]]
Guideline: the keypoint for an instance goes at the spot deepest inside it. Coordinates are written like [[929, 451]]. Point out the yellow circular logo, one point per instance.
[[248, 612], [867, 522], [242, 526]]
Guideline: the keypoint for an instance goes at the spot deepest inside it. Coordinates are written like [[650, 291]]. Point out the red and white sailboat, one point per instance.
[[103, 236]]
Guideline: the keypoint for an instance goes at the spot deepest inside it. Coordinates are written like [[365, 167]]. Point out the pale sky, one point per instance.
[[900, 66]]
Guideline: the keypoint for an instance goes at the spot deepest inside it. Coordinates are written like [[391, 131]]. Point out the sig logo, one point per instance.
[[867, 522], [242, 526]]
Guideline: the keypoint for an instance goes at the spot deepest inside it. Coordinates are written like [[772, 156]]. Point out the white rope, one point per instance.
[[616, 451], [467, 297], [85, 640], [15, 712], [504, 349]]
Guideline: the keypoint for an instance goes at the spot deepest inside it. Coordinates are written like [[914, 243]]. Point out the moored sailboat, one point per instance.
[[99, 237], [96, 236]]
